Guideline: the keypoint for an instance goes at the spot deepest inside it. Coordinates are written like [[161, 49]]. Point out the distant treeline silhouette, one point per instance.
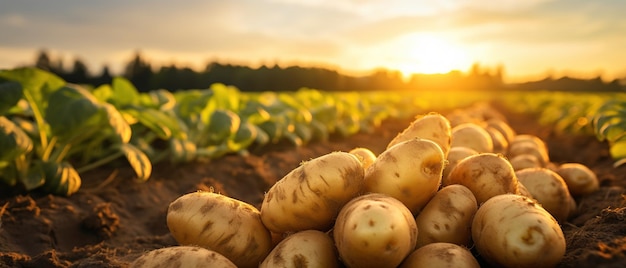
[[141, 73]]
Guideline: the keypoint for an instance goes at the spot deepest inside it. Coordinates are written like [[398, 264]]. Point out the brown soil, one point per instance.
[[109, 225]]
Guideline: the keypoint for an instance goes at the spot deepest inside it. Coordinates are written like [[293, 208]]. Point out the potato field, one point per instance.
[[111, 177]]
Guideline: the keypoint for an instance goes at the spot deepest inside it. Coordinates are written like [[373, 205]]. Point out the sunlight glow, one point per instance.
[[427, 54]]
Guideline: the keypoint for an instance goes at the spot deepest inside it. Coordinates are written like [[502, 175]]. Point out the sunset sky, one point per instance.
[[530, 38]]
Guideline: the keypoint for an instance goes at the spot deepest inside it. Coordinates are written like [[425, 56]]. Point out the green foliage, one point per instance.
[[610, 125]]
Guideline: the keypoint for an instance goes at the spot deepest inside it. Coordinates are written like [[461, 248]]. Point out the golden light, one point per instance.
[[427, 54]]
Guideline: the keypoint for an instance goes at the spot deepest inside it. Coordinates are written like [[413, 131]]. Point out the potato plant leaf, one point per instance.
[[124, 92], [222, 125], [73, 111], [13, 140], [163, 125], [60, 178], [138, 160], [10, 94], [182, 150]]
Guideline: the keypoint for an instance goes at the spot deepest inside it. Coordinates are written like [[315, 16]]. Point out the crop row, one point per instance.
[[51, 131]]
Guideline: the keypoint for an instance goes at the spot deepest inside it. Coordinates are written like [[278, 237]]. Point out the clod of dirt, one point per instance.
[[102, 220]]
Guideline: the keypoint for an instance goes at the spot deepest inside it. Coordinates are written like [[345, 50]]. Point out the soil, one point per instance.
[[114, 219]]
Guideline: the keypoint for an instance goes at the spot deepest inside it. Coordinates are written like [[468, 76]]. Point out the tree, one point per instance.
[[139, 72]]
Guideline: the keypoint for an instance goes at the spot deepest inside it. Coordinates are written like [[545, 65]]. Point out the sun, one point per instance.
[[427, 54]]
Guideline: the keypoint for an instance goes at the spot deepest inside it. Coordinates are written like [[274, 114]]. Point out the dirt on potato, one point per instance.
[[114, 219]]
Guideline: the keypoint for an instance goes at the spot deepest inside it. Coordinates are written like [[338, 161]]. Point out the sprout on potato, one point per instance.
[[374, 230], [409, 171], [511, 230], [225, 225], [311, 195]]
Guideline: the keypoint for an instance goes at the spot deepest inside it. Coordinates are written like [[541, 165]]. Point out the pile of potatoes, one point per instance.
[[443, 186]]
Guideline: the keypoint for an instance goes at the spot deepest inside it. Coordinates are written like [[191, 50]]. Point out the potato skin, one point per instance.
[[310, 248], [374, 230], [409, 171], [432, 126], [366, 156], [473, 136], [447, 217], [511, 230], [441, 255], [180, 257], [485, 174], [225, 225], [455, 155], [579, 178], [549, 189], [311, 195]]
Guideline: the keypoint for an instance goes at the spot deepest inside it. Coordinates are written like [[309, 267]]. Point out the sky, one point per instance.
[[530, 39]]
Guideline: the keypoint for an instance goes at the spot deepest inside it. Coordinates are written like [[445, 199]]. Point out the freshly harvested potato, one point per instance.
[[504, 128], [374, 230], [523, 161], [473, 136], [311, 195], [485, 174], [515, 231], [529, 144], [500, 144], [181, 256], [441, 255], [455, 155], [225, 225], [579, 178], [366, 156], [409, 171], [310, 248], [432, 126], [447, 217], [549, 189]]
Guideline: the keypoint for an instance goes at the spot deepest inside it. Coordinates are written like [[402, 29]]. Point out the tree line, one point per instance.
[[275, 78]]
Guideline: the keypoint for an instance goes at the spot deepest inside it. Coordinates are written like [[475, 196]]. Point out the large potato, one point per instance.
[[310, 196], [225, 225], [579, 178], [180, 257], [441, 255], [310, 248], [486, 175], [472, 136], [374, 230], [447, 217], [432, 126], [515, 231], [549, 189], [409, 171]]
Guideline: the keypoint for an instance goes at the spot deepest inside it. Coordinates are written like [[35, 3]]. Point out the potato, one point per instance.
[[523, 161], [549, 189], [409, 171], [473, 136], [486, 175], [503, 127], [515, 231], [181, 256], [579, 178], [529, 144], [441, 255], [225, 225], [366, 156], [433, 126], [311, 195], [455, 155], [447, 217], [374, 230], [500, 144], [310, 248]]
